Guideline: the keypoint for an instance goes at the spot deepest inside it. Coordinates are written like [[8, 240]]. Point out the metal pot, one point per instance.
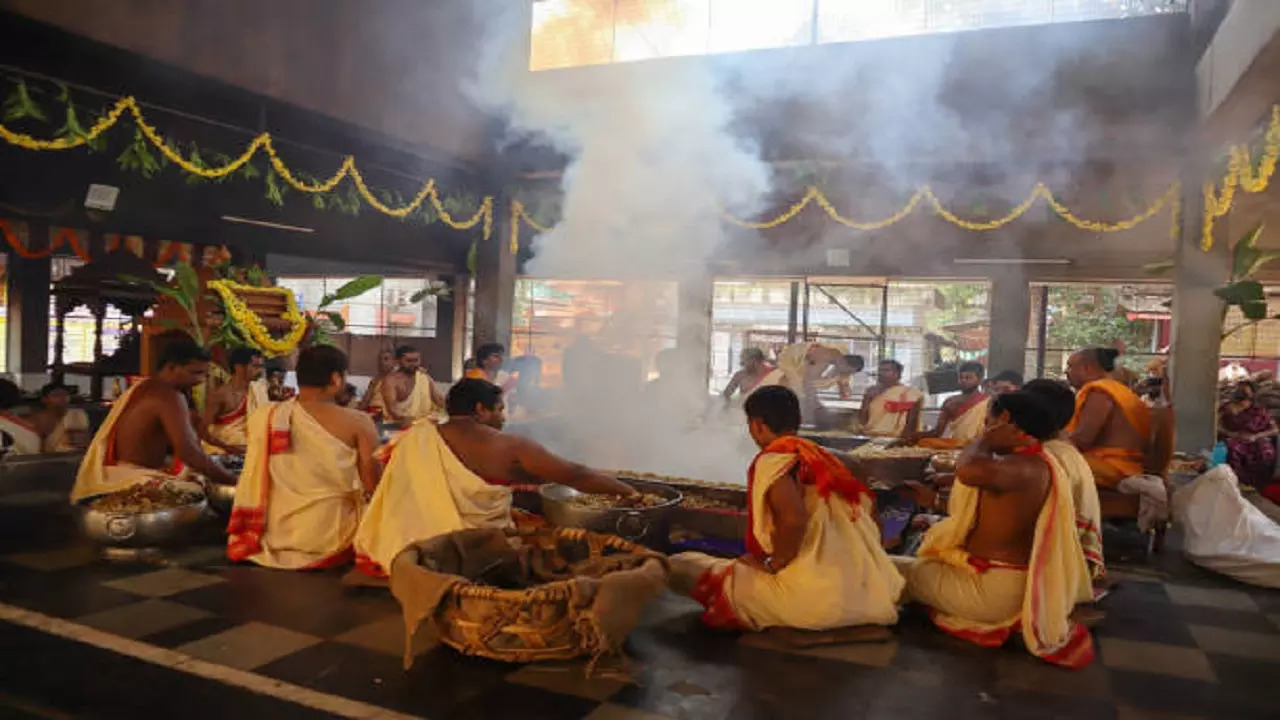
[[647, 526], [39, 472], [221, 497], [143, 529]]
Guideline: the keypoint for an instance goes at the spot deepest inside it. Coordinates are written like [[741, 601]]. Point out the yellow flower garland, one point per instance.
[[1240, 174], [251, 325]]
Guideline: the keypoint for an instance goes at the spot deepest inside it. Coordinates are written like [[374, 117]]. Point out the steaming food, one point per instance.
[[604, 502], [702, 502], [147, 497]]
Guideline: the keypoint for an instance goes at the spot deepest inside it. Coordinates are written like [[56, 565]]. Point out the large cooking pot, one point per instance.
[[39, 472], [143, 529], [222, 497], [647, 526]]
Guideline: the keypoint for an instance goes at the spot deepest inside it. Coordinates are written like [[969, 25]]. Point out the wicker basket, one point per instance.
[[557, 620]]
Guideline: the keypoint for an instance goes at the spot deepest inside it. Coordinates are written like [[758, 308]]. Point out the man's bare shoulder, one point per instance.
[[1031, 470]]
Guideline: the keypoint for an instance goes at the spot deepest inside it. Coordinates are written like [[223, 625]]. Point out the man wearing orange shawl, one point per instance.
[[308, 469], [814, 559], [1112, 426], [1008, 556]]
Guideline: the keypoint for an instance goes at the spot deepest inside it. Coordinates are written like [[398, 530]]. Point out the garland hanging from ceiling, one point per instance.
[[1240, 173]]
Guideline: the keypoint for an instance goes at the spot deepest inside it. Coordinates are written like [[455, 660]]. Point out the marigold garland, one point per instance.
[[1171, 198], [251, 326], [62, 235], [1240, 174], [263, 142]]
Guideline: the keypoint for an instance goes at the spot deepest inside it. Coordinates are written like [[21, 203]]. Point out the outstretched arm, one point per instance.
[[541, 464], [177, 420]]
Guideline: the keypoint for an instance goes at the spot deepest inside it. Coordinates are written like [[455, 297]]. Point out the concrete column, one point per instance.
[[693, 333], [1010, 316], [1197, 323], [495, 284], [27, 319]]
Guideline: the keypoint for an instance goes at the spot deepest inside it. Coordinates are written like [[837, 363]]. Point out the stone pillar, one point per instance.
[[495, 282], [27, 319], [693, 331], [1010, 313], [1197, 322]]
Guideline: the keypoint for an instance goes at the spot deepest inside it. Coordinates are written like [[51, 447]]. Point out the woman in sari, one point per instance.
[[1249, 432]]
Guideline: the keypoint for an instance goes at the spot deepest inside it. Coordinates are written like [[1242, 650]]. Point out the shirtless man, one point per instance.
[[147, 425], [962, 416], [404, 400], [229, 405], [454, 476], [373, 393], [975, 568], [61, 428], [298, 501], [1112, 425]]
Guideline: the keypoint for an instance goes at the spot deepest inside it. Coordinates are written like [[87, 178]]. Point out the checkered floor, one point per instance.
[[1176, 642]]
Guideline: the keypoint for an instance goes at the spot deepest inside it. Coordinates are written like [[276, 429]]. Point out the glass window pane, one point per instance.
[[850, 20], [648, 29], [756, 24], [746, 313], [571, 33]]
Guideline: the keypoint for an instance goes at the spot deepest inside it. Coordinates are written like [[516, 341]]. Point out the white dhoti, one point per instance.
[[299, 499], [425, 491], [232, 428], [99, 471], [24, 438], [420, 404], [841, 576]]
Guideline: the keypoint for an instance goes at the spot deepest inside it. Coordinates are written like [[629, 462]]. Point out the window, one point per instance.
[[573, 33], [1255, 346], [78, 325], [1070, 316], [382, 311], [633, 319], [747, 313]]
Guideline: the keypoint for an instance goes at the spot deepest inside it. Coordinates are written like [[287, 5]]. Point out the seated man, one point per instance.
[[309, 467], [451, 477], [227, 410], [147, 427], [889, 408], [61, 428], [755, 372], [1057, 396], [1112, 426], [372, 400], [1006, 381], [409, 394], [1008, 555], [963, 416], [814, 558], [273, 380], [488, 366]]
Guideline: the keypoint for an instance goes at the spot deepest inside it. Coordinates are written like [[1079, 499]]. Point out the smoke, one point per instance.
[[653, 161]]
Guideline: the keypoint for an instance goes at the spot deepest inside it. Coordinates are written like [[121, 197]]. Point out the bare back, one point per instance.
[[511, 459], [1008, 508]]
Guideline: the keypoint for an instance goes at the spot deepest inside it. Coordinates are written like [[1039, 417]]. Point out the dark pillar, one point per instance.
[[495, 282], [1010, 312], [1197, 322], [27, 309], [693, 328]]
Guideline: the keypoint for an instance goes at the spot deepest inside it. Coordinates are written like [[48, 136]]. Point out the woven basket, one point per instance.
[[551, 621]]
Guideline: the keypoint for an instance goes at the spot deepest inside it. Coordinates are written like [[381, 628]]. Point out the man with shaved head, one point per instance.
[[1112, 425]]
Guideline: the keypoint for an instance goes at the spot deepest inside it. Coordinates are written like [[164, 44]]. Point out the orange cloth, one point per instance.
[[1110, 465]]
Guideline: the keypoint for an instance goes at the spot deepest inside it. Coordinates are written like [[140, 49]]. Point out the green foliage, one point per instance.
[[73, 129], [1089, 317], [185, 291], [352, 289], [20, 106], [137, 157]]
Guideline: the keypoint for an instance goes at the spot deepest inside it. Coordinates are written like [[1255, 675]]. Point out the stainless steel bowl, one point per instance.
[[647, 526], [39, 472], [221, 497], [142, 529]]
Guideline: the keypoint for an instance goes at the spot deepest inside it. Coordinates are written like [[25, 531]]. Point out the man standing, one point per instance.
[[309, 467], [147, 425], [889, 408], [963, 416], [227, 410], [61, 428], [1112, 426], [455, 476], [814, 559], [1008, 555], [409, 394]]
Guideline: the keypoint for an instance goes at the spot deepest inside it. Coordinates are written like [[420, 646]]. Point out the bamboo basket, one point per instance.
[[546, 622]]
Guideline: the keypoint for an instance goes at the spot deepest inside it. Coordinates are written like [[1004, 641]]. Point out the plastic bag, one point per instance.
[[1224, 532]]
